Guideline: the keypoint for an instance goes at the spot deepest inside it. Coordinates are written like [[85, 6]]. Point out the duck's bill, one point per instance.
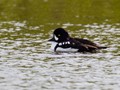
[[52, 39]]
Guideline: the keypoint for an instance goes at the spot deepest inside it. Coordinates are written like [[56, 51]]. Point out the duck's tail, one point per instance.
[[102, 47]]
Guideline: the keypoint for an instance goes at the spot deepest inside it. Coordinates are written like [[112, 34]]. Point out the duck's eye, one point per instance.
[[58, 35]]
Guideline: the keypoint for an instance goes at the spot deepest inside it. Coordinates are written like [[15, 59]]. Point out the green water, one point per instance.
[[26, 61], [60, 11]]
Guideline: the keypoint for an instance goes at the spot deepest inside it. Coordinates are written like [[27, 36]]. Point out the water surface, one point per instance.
[[26, 62]]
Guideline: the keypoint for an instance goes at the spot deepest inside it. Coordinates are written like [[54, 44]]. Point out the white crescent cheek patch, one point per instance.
[[56, 38]]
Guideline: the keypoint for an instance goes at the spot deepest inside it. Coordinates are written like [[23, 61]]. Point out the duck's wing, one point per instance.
[[90, 43], [82, 45], [85, 41]]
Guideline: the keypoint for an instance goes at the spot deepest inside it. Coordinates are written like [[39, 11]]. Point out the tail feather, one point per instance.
[[102, 47]]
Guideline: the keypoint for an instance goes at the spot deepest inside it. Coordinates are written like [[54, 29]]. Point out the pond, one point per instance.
[[26, 61]]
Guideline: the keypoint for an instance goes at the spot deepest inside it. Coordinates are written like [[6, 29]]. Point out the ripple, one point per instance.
[[27, 63]]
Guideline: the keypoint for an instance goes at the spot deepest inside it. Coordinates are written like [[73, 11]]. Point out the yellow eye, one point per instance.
[[59, 35]]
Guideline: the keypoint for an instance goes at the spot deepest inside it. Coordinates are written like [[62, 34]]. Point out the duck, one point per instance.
[[62, 41]]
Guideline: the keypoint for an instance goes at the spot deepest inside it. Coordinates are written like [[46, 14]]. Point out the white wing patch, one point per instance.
[[64, 43], [68, 42], [63, 49], [60, 44]]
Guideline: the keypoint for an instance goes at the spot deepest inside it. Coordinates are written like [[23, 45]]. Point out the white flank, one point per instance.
[[66, 49], [53, 44]]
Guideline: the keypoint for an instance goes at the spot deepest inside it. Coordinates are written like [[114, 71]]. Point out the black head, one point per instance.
[[60, 35]]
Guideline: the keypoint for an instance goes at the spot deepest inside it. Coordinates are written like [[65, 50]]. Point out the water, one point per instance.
[[26, 63]]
